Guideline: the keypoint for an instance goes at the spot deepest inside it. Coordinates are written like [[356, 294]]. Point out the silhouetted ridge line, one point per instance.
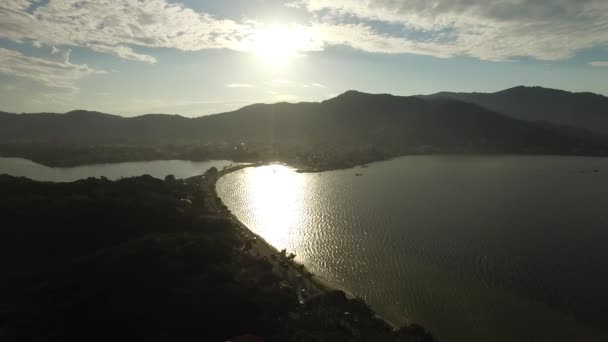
[[582, 110], [348, 129]]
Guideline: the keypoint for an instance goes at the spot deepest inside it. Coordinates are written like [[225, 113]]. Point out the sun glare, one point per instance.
[[277, 198], [277, 45]]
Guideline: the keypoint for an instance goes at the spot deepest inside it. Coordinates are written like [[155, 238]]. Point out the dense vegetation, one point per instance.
[[586, 111], [144, 259], [350, 129]]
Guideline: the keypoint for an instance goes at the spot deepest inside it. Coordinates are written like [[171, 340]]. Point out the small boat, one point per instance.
[[358, 174]]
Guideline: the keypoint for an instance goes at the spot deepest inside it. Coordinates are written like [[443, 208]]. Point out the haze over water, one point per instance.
[[473, 248]]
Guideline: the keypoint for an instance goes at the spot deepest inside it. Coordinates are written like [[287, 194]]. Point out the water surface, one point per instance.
[[473, 248], [157, 168]]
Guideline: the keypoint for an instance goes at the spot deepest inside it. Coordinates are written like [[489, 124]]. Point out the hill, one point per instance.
[[149, 260], [583, 110], [349, 129]]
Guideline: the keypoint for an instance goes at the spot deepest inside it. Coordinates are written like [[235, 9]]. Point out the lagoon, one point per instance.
[[474, 248], [158, 168]]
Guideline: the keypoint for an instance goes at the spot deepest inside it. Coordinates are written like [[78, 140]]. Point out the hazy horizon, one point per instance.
[[203, 57], [240, 106]]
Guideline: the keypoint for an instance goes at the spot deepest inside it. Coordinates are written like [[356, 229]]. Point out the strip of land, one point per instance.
[[158, 260], [293, 273]]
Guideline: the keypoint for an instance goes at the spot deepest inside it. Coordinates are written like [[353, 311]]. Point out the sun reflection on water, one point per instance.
[[276, 199]]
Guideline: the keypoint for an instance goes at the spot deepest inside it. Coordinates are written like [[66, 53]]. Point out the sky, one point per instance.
[[133, 57]]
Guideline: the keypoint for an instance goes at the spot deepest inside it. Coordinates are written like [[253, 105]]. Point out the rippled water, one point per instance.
[[473, 248], [157, 168]]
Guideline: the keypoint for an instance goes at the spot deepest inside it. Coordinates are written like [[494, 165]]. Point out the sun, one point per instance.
[[277, 45]]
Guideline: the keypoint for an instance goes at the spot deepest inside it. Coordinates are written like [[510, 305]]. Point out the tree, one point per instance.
[[211, 171]]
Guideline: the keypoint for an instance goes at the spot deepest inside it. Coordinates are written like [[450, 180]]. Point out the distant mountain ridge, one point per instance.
[[353, 126], [583, 110]]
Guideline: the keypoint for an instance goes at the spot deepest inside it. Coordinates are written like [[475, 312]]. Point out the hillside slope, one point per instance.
[[583, 110], [356, 126]]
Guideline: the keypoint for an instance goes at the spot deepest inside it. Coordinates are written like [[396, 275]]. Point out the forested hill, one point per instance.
[[378, 125], [582, 110]]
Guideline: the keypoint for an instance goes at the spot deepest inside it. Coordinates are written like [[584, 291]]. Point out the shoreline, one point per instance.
[[261, 246], [313, 284], [299, 166]]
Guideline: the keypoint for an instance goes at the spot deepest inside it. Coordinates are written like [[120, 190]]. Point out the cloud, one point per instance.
[[599, 64], [495, 30], [16, 5], [239, 85], [318, 85], [364, 37], [489, 30], [52, 73], [118, 26], [124, 52]]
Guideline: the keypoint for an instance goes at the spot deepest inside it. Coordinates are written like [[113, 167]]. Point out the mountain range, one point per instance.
[[356, 126], [582, 110]]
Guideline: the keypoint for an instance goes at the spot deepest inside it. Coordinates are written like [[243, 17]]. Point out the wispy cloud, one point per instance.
[[53, 73], [364, 37], [489, 30], [239, 85], [599, 64], [496, 30], [118, 26], [16, 5]]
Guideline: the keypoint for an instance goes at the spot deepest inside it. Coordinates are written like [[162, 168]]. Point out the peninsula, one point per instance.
[[157, 260]]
